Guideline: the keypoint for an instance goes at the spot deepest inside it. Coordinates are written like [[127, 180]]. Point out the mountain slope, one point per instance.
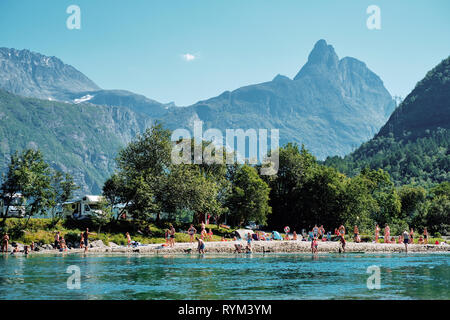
[[414, 144], [427, 107], [122, 98], [32, 74], [80, 139], [331, 106]]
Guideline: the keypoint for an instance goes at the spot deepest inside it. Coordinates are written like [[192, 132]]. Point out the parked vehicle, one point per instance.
[[16, 208], [83, 208], [252, 226]]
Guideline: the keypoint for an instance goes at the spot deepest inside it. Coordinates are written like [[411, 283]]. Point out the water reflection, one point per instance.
[[247, 276]]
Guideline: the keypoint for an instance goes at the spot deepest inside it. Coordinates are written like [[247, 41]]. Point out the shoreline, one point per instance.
[[257, 247]]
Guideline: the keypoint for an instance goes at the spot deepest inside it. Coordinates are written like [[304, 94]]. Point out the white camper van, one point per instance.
[[83, 208], [16, 208]]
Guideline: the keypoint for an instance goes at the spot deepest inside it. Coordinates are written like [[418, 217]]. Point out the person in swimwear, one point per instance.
[[294, 235], [237, 245], [321, 231], [411, 236], [86, 239], [314, 245], [210, 235], [128, 239], [421, 240], [192, 231], [356, 234], [406, 240], [342, 236], [341, 230], [249, 239], [5, 241], [82, 240], [171, 236], [425, 235], [387, 233], [315, 231], [377, 232], [201, 246], [342, 239], [62, 244], [57, 236]]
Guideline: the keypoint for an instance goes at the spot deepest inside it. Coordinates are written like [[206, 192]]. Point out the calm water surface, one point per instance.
[[255, 276]]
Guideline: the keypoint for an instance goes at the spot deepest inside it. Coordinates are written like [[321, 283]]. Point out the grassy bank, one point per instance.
[[43, 231]]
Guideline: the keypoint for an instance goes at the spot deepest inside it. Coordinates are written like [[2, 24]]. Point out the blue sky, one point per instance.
[[139, 45]]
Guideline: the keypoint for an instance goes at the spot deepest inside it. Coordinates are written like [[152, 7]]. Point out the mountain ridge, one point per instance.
[[331, 106], [414, 144]]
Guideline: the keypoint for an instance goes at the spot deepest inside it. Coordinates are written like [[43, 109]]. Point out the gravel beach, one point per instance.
[[257, 246]]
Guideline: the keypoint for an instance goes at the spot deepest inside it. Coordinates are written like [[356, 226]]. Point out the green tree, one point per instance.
[[295, 168], [411, 198], [249, 197], [30, 176], [142, 165], [438, 215], [63, 186]]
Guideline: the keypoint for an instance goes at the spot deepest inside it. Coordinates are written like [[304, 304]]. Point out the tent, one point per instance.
[[242, 233], [276, 235]]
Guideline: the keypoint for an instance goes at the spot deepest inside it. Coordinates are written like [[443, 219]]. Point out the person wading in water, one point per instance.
[[86, 239]]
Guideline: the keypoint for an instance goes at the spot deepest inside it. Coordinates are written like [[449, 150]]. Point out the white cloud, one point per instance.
[[188, 57]]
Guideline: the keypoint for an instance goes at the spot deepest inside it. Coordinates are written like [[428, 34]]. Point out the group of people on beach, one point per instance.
[[314, 235], [204, 235], [318, 233], [170, 236]]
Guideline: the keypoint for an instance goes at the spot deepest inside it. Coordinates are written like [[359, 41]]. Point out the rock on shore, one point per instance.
[[261, 247]]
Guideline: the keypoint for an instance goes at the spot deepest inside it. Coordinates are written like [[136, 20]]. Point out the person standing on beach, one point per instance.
[[62, 244], [192, 231], [356, 234], [210, 235], [425, 235], [82, 240], [172, 236], [377, 232], [5, 241], [201, 246], [321, 231], [237, 245], [387, 233], [57, 236], [249, 242], [314, 245], [411, 236], [341, 230], [86, 239], [315, 231], [128, 239], [342, 236], [406, 240]]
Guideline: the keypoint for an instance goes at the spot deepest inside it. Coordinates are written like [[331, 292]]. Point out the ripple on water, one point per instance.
[[255, 276]]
